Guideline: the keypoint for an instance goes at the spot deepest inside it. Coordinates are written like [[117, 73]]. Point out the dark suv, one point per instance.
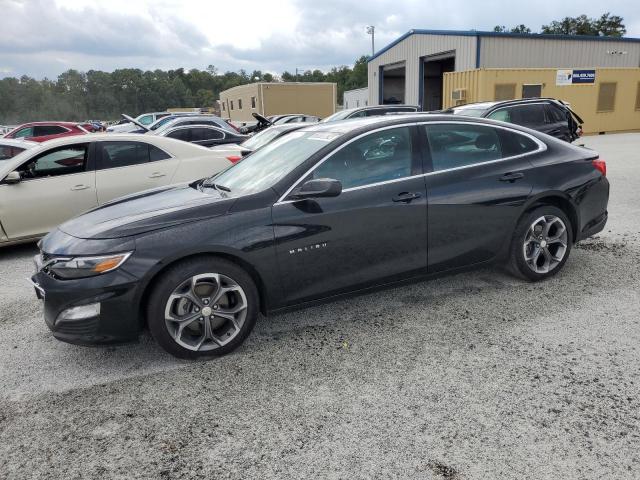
[[546, 115]]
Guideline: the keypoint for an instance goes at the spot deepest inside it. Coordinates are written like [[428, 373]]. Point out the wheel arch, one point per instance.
[[153, 278], [557, 199]]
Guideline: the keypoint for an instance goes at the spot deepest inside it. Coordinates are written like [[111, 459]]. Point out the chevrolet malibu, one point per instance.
[[327, 210]]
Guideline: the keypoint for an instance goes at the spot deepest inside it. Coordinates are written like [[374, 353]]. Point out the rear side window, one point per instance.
[[204, 134], [156, 154], [459, 145], [123, 154], [555, 114], [528, 115], [43, 130], [181, 134], [55, 162], [515, 144]]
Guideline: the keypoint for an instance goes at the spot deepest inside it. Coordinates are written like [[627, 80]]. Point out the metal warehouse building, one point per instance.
[[599, 76]]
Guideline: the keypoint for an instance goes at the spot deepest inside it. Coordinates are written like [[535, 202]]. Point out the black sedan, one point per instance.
[[202, 134], [324, 211]]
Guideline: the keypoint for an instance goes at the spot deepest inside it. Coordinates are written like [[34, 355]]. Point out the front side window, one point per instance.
[[146, 119], [58, 161], [24, 132], [502, 115], [460, 145], [378, 157]]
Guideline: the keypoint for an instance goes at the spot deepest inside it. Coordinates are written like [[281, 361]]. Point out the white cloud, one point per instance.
[[272, 35]]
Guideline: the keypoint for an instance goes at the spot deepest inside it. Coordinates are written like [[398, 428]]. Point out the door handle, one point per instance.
[[79, 187], [157, 175], [406, 197], [511, 177]]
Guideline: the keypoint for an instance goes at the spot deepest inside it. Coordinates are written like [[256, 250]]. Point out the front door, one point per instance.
[[479, 182], [56, 185], [375, 229]]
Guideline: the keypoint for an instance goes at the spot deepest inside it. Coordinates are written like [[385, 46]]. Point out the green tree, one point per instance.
[[606, 25]]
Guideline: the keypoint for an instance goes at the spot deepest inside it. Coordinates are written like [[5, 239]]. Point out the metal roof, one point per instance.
[[477, 33]]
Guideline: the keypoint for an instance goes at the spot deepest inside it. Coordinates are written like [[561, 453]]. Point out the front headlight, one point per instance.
[[81, 267]]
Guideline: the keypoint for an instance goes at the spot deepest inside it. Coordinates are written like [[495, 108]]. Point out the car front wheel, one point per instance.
[[202, 307], [541, 243]]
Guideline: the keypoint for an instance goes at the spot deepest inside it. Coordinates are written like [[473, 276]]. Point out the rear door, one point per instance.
[[56, 185], [125, 167], [478, 180]]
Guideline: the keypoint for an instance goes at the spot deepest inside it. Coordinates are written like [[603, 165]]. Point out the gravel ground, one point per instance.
[[472, 376]]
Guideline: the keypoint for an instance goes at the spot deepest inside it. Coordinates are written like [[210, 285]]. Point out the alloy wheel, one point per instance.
[[206, 312], [545, 244]]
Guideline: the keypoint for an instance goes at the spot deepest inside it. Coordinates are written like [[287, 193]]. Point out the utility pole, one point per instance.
[[371, 30]]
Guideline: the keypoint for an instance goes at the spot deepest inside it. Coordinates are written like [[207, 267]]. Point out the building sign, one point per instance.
[[575, 77]]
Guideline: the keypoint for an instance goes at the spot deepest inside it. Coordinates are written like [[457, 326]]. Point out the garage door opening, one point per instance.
[[433, 69], [392, 84]]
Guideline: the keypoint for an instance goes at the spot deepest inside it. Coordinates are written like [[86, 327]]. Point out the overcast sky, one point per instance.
[[43, 38]]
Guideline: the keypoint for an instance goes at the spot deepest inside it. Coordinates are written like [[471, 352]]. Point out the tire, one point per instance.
[[528, 258], [202, 307]]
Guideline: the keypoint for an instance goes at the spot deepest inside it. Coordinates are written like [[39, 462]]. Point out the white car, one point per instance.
[[145, 119], [58, 179]]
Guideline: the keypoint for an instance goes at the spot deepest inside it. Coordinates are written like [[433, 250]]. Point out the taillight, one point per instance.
[[234, 158], [600, 165]]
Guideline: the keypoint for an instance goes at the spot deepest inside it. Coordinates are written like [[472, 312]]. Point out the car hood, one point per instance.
[[147, 211]]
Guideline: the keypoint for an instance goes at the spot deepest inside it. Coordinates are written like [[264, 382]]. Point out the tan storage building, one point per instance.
[[277, 98], [609, 103]]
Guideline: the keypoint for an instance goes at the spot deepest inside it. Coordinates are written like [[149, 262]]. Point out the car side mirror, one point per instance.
[[317, 188], [13, 177]]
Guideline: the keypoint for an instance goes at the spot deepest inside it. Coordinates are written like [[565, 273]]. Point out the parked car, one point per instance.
[[235, 152], [372, 111], [55, 180], [327, 210], [181, 120], [9, 148], [205, 135], [546, 115], [294, 118], [128, 126], [43, 131]]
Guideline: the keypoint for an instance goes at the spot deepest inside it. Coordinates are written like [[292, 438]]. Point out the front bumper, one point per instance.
[[119, 320]]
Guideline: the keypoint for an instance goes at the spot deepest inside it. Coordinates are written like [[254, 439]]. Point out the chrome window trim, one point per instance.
[[541, 148]]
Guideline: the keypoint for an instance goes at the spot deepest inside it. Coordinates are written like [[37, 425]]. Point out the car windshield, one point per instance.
[[337, 116], [267, 166], [469, 112], [161, 122], [261, 139]]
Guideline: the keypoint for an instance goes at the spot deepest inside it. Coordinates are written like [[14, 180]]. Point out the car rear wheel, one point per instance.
[[541, 243], [202, 307]]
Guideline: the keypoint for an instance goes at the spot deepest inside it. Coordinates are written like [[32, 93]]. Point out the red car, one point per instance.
[[43, 131]]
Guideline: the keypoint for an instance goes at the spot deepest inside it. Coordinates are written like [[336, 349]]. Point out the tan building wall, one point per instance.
[[317, 99], [587, 100]]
